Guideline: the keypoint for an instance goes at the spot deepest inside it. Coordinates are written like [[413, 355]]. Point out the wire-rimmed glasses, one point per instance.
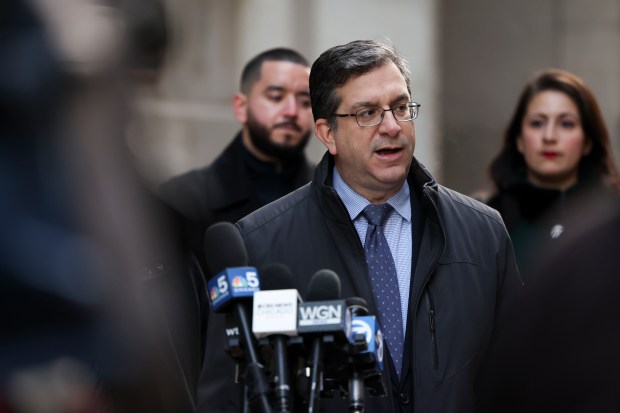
[[373, 116]]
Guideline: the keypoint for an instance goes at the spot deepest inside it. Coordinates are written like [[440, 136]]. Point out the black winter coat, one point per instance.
[[222, 191], [464, 269], [537, 218]]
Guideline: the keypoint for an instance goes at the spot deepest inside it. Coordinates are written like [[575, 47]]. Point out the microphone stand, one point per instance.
[[245, 408], [257, 386], [282, 387], [356, 393], [315, 376]]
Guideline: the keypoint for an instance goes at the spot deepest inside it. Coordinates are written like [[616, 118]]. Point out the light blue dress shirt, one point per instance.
[[397, 230]]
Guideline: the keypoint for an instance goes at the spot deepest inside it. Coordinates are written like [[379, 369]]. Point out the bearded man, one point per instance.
[[265, 160]]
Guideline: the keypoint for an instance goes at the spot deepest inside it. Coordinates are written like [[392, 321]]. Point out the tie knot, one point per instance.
[[376, 214]]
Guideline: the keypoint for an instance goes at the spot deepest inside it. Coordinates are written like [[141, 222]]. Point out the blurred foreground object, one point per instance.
[[100, 306], [558, 351]]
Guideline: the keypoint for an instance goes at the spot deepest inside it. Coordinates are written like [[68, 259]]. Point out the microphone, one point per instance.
[[366, 355], [355, 362], [225, 252], [326, 320], [275, 318], [229, 290], [359, 309]]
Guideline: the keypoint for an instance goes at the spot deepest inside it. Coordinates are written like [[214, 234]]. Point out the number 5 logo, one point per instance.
[[252, 279], [222, 285]]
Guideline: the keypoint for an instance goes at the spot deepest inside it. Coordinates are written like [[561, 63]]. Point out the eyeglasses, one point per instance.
[[373, 116]]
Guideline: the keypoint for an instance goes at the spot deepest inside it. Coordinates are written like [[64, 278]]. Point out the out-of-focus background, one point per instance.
[[469, 60]]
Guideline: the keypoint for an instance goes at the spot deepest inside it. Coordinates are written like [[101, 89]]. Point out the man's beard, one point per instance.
[[261, 139]]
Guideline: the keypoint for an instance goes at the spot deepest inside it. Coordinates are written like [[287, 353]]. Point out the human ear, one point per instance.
[[325, 133], [240, 107]]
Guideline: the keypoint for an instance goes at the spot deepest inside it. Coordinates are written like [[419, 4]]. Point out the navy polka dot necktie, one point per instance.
[[384, 280]]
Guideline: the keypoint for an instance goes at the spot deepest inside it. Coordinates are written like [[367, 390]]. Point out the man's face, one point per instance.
[[374, 161], [277, 115]]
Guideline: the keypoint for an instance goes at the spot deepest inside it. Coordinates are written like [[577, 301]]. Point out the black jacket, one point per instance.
[[226, 190], [536, 218], [464, 267]]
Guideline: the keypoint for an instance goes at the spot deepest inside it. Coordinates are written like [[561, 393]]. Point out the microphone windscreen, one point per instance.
[[357, 305], [324, 285], [276, 276], [224, 247]]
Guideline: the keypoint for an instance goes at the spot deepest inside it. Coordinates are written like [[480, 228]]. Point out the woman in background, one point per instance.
[[557, 191], [556, 154]]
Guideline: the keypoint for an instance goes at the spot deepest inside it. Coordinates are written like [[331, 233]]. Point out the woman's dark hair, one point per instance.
[[598, 164]]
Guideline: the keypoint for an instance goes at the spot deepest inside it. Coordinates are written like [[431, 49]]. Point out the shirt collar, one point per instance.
[[355, 203]]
